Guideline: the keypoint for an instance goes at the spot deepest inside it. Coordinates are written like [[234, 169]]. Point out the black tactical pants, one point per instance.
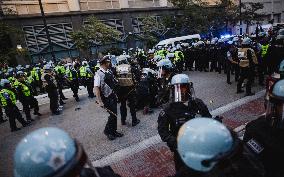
[[28, 103], [13, 113], [128, 95], [110, 104], [74, 85], [228, 70], [246, 73], [1, 114], [90, 87], [53, 101], [60, 88]]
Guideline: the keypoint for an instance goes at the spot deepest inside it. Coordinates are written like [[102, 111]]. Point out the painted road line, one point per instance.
[[135, 148]]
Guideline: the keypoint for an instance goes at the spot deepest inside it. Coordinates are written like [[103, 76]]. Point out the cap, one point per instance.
[[105, 58]]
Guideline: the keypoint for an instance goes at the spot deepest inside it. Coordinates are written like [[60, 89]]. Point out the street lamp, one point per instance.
[[46, 31]]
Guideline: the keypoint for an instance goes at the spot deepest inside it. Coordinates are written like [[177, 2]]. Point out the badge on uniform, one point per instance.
[[255, 146], [162, 113]]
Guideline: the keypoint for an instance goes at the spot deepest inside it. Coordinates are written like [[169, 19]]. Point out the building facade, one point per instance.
[[65, 16], [273, 12]]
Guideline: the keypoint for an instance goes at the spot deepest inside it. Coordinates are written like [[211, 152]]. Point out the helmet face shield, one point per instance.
[[181, 92], [274, 114], [161, 72]]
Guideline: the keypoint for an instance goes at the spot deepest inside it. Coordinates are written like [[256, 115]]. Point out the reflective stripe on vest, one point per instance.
[[35, 74], [264, 49], [83, 71], [25, 89]]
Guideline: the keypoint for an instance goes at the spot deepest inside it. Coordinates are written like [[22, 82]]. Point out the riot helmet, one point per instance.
[[204, 142], [246, 41], [182, 88], [122, 59], [164, 67], [21, 76], [49, 152], [85, 63], [5, 83], [275, 108]]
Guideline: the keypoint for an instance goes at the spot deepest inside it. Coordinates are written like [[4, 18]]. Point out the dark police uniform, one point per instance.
[[126, 81], [8, 102], [267, 144], [247, 63], [73, 77], [27, 99], [51, 89], [173, 117]]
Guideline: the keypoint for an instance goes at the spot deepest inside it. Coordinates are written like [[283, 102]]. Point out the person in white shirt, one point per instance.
[[105, 86]]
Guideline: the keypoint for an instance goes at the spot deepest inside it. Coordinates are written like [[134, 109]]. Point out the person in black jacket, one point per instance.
[[51, 89], [183, 108], [264, 136]]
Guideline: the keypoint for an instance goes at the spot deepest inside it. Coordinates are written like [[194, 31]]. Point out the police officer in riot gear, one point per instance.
[[247, 64], [106, 88], [183, 108], [50, 86], [88, 76], [26, 96], [73, 77], [232, 56], [126, 93], [264, 136], [57, 155], [208, 148], [8, 102], [165, 74], [60, 78]]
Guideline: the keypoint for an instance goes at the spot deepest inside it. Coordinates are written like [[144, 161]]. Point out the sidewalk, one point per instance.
[[152, 158]]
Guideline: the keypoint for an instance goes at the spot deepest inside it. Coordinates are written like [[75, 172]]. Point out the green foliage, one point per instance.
[[200, 17], [7, 52], [151, 31], [94, 32]]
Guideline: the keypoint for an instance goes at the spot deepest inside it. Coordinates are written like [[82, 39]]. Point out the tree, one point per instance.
[[94, 32], [250, 13], [152, 31], [201, 17], [7, 51]]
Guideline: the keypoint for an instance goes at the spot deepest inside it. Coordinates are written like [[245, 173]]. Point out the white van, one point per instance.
[[183, 39]]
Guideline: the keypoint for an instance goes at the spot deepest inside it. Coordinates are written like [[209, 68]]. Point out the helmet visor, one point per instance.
[[275, 115], [181, 92]]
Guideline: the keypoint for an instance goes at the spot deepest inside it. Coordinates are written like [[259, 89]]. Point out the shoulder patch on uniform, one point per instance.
[[162, 113]]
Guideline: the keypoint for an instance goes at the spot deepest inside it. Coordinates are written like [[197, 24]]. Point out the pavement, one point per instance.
[[140, 152], [152, 157]]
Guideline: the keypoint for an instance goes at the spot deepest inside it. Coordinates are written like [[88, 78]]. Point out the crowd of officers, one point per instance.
[[140, 78], [202, 145], [24, 83]]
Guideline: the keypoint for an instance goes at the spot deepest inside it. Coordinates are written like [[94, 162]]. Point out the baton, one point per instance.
[[107, 110]]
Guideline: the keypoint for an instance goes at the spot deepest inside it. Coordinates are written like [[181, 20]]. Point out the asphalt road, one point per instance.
[[85, 121]]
